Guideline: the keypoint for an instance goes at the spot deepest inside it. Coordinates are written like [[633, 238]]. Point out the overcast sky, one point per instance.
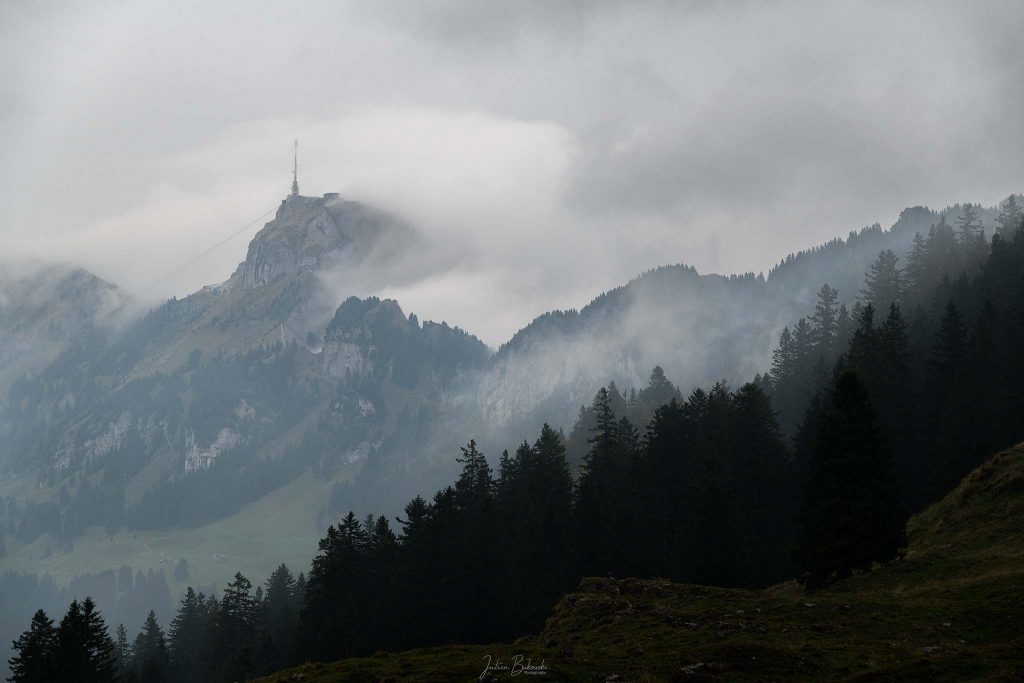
[[556, 148]]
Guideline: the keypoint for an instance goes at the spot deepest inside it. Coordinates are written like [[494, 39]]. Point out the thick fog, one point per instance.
[[547, 151]]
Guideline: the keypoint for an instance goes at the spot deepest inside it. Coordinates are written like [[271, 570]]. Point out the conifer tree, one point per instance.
[[536, 526], [950, 353], [475, 486], [968, 224], [383, 560], [124, 666], [602, 501], [279, 616], [1009, 219], [826, 322], [418, 598], [895, 398], [864, 354], [84, 650], [972, 236], [669, 463], [844, 328], [783, 360], [658, 392], [792, 377], [333, 621], [150, 657], [916, 272], [235, 628], [851, 514], [883, 284], [189, 628], [762, 486], [477, 527], [952, 428], [34, 651]]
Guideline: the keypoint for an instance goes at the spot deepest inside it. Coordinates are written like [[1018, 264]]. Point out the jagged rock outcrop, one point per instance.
[[370, 336], [358, 326]]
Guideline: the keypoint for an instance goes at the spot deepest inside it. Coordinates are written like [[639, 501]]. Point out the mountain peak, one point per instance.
[[313, 234]]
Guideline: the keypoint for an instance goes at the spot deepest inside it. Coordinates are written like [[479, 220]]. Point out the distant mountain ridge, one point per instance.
[[46, 308], [699, 328], [211, 402]]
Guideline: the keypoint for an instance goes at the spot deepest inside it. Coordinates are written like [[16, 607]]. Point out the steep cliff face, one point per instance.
[[311, 234], [353, 336]]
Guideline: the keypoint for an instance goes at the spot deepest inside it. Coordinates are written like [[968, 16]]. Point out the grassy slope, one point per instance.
[[288, 533], [952, 610]]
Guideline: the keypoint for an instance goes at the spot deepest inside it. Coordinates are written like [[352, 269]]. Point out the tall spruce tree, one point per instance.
[[968, 224], [916, 272], [952, 427], [383, 560], [124, 667], [536, 516], [235, 627], [896, 398], [602, 500], [279, 616], [150, 660], [826, 323], [762, 477], [851, 515], [864, 354], [476, 524], [84, 651], [34, 652], [189, 629], [883, 283], [1009, 218], [669, 465], [972, 236], [336, 609]]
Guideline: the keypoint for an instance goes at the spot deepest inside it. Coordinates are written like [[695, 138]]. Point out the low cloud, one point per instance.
[[546, 151]]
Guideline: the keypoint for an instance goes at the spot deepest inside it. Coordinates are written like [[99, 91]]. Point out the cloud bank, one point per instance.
[[547, 150]]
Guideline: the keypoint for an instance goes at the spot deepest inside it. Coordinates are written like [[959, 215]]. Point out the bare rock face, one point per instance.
[[314, 234]]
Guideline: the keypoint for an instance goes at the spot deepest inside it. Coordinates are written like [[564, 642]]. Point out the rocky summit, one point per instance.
[[314, 234]]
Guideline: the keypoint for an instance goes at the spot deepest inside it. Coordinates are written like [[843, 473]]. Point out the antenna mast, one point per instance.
[[295, 172]]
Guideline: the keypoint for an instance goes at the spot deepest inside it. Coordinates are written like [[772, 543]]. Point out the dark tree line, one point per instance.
[[935, 344]]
